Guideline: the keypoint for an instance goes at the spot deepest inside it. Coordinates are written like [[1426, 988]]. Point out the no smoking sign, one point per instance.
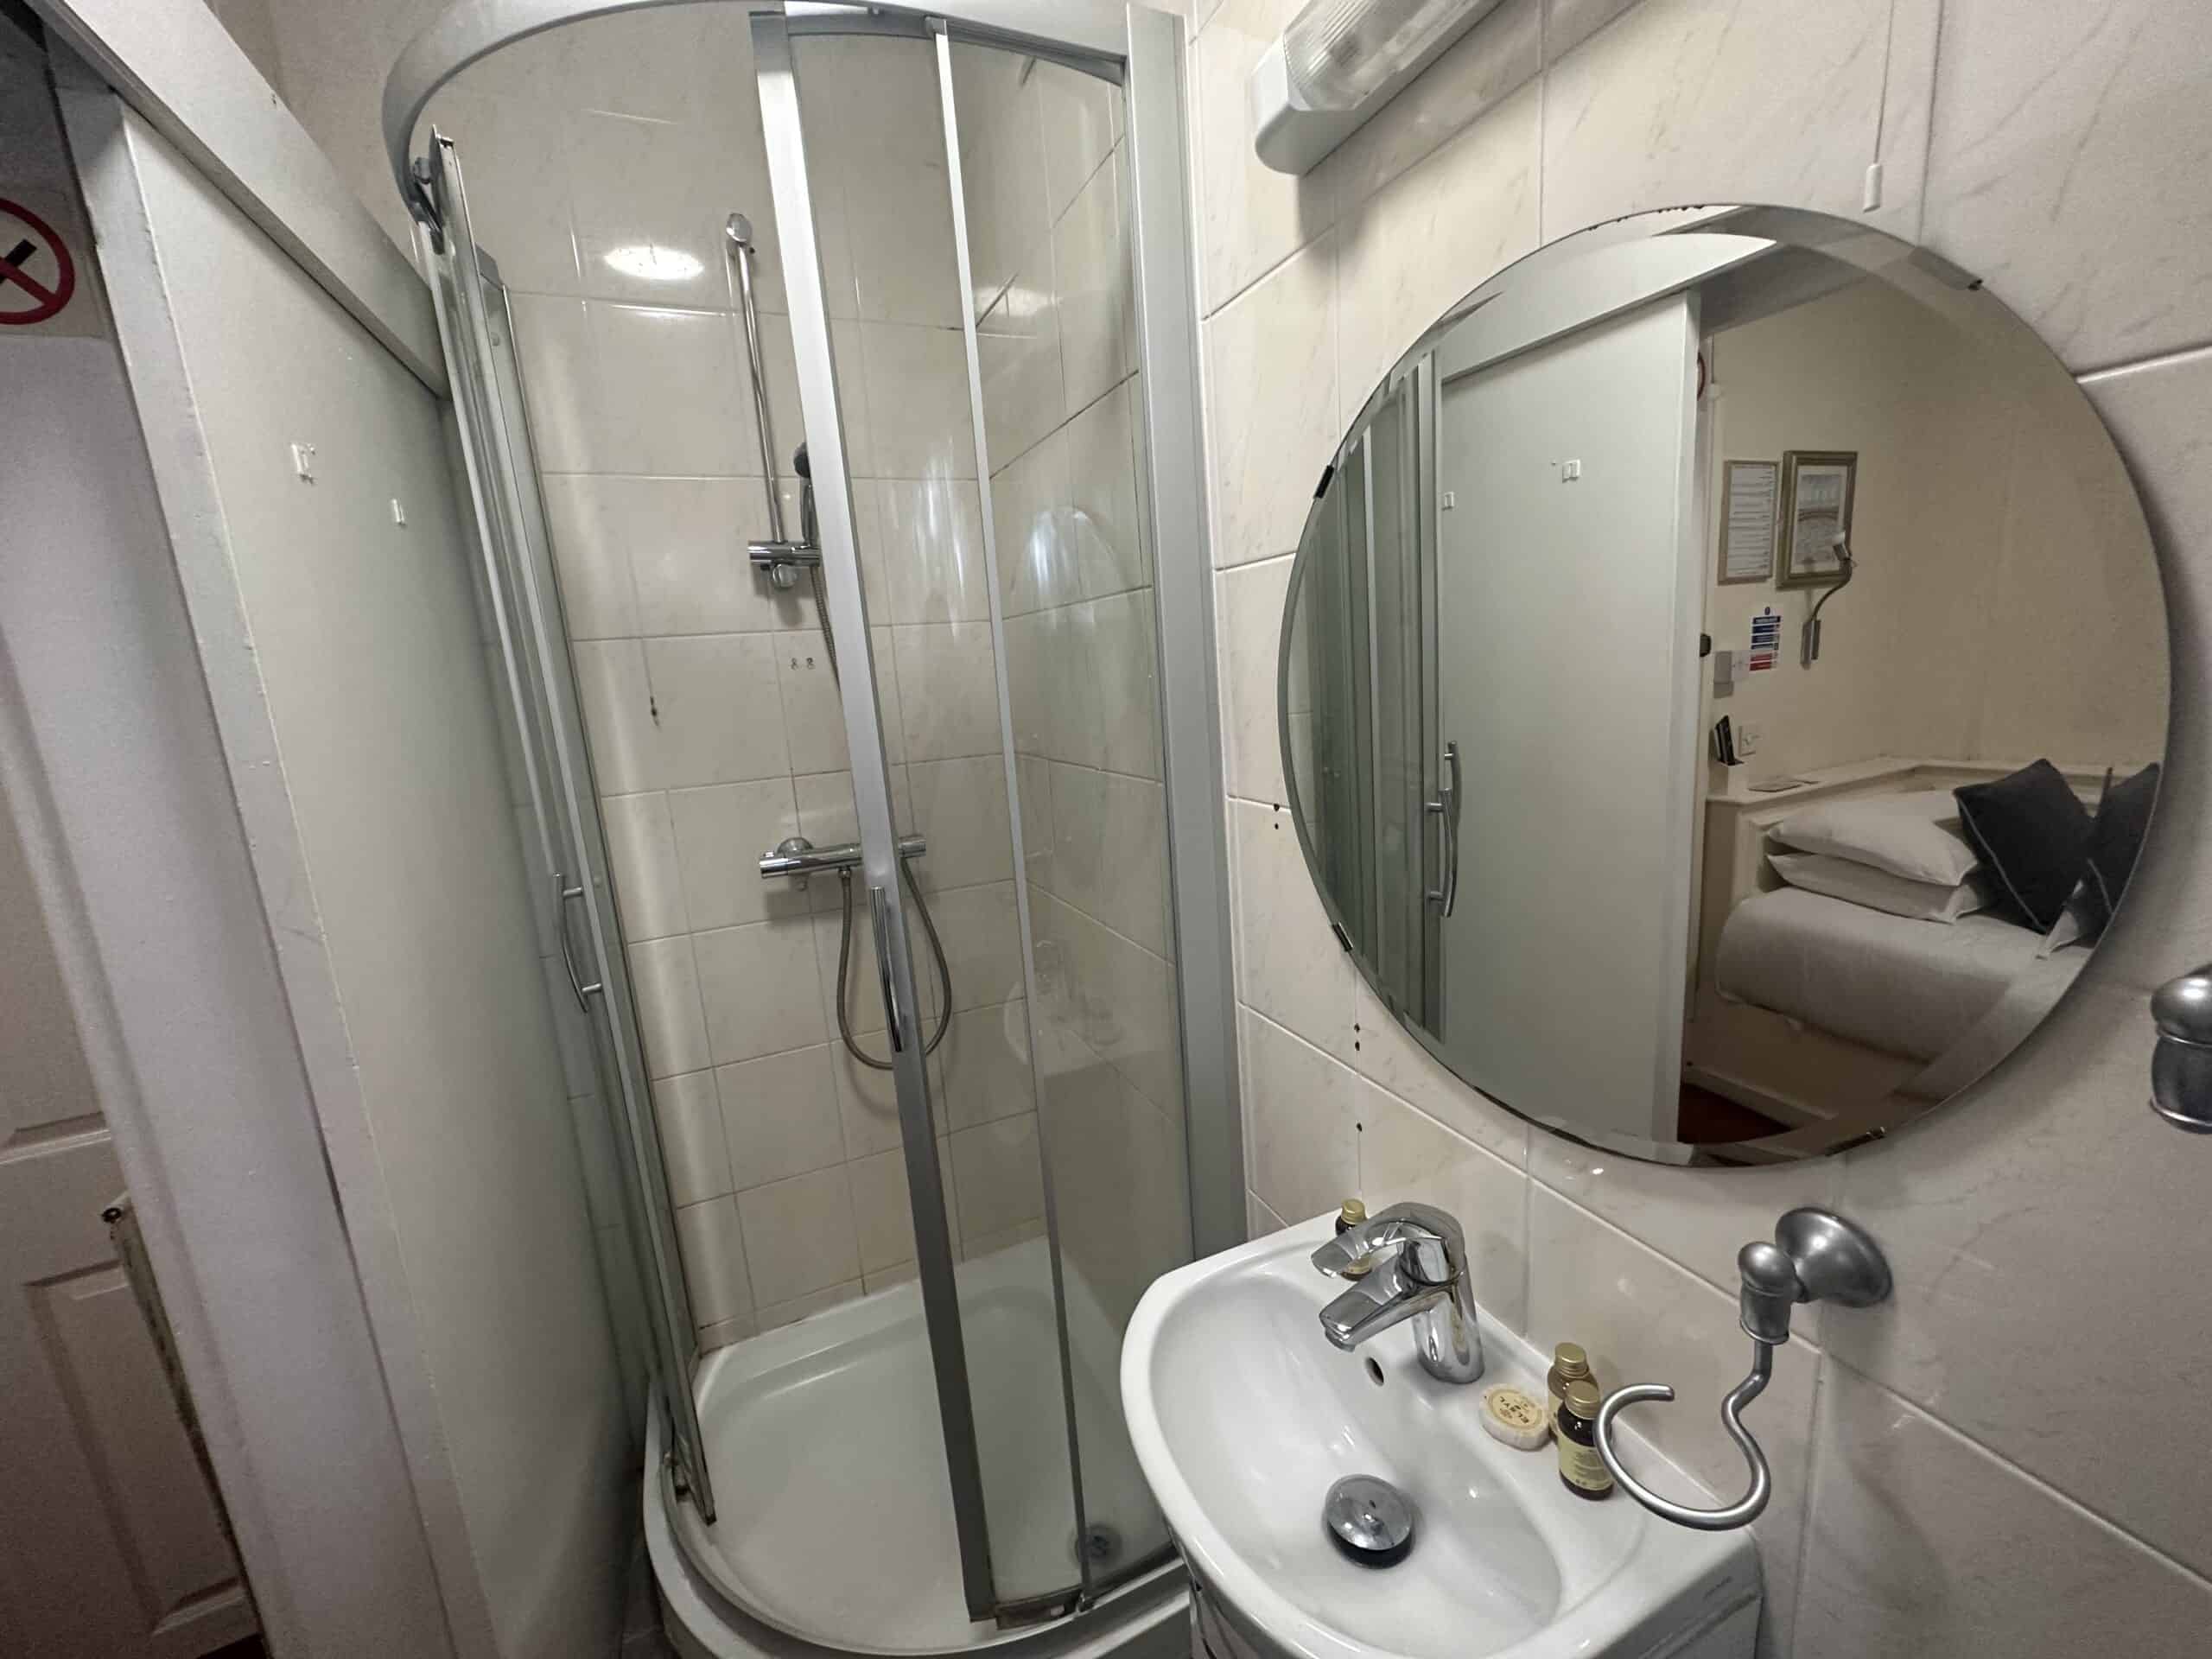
[[37, 276]]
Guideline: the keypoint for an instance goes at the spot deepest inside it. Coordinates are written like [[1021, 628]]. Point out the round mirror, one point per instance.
[[1722, 685]]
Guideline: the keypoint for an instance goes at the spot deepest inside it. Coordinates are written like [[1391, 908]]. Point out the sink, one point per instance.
[[1243, 1416]]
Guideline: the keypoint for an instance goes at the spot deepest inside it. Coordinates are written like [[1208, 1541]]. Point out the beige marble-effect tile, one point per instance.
[[1386, 1054], [712, 1248], [997, 1175], [985, 1060], [959, 806], [1299, 1115], [799, 1236], [1248, 601], [1272, 388], [1250, 217], [1259, 1220], [2161, 417], [1699, 1218], [759, 986], [932, 556], [983, 944], [2058, 135], [1495, 59], [1002, 164], [665, 984], [1110, 859], [591, 556], [1106, 538], [692, 1150], [2018, 1220], [704, 722], [947, 688], [779, 1117], [807, 692], [1919, 1542], [1018, 358], [1113, 995], [1643, 1320], [720, 834], [685, 538], [886, 154], [883, 1214], [641, 857], [1080, 122], [868, 1099], [1683, 101], [1289, 965], [1093, 292], [919, 421], [1406, 1157], [1470, 209]]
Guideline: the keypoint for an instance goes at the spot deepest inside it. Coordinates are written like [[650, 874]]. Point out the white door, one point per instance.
[[109, 1545], [1567, 618]]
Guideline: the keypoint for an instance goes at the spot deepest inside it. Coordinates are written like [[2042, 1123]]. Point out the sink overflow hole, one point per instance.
[[1374, 1372]]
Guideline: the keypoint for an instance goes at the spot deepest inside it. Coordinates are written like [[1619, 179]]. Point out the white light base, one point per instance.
[[1293, 138]]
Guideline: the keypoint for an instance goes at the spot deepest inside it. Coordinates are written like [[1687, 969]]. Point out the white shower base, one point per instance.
[[836, 1530]]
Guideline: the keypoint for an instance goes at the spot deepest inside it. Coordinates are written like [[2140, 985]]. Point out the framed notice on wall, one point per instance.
[[1817, 487], [1749, 493]]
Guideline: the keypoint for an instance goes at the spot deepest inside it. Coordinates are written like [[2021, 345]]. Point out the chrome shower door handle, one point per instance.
[[880, 919], [1446, 808], [577, 988]]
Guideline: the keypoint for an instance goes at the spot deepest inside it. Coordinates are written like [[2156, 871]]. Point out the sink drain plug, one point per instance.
[[1371, 1521]]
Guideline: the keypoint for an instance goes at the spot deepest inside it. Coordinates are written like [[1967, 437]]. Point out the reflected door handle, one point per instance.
[[879, 918], [577, 988], [1445, 808]]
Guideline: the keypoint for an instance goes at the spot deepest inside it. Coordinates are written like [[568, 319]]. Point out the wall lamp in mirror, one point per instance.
[[1339, 62]]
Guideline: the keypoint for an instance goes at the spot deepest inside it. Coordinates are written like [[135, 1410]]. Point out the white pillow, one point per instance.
[[1862, 884], [1914, 835]]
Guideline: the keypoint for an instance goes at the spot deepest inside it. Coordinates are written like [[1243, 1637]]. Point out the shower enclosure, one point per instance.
[[826, 381]]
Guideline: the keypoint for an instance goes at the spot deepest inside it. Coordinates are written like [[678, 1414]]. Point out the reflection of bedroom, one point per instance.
[[1993, 618]]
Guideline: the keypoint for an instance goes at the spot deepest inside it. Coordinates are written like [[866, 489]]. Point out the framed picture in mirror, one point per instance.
[[1818, 491], [1491, 717]]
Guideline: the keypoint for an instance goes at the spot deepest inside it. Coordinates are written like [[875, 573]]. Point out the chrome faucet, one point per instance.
[[1417, 1271]]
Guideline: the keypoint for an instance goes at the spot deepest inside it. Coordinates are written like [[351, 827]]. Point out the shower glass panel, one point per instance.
[[951, 408]]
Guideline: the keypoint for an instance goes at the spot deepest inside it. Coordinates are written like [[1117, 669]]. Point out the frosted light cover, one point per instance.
[[1338, 52]]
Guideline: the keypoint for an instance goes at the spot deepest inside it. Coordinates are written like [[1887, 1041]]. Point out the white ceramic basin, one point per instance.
[[1242, 1416]]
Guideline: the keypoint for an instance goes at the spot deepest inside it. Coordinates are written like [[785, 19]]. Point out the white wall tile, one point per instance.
[[1029, 529], [1080, 120], [868, 1099], [883, 151], [667, 394], [883, 1214], [617, 703], [645, 232], [758, 984], [1682, 101], [714, 1271], [1271, 388], [779, 1117], [1122, 683], [1018, 352], [641, 858], [692, 1148], [1567, 24], [1110, 855], [1259, 1220], [686, 539], [1249, 218], [2058, 135], [560, 376], [515, 153], [721, 833], [1249, 601], [983, 944], [1920, 1542], [799, 1236], [1304, 1151], [708, 721], [1290, 966], [814, 716], [1471, 207], [1106, 536], [1643, 1320], [1383, 1051], [1405, 1157], [665, 986]]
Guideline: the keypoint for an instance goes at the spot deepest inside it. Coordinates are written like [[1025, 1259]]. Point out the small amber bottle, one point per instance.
[[1569, 1364], [1354, 1214], [1581, 1471]]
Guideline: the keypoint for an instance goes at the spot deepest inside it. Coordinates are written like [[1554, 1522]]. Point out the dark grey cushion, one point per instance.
[[2032, 833], [2115, 841]]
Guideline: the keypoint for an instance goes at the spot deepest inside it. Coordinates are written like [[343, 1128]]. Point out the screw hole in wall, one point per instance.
[[1374, 1372]]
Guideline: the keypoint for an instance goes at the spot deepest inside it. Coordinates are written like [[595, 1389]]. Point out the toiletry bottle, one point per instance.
[[1352, 1214], [1581, 1471], [1569, 1364]]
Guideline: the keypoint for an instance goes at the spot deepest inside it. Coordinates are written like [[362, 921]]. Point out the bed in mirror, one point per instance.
[[1723, 684]]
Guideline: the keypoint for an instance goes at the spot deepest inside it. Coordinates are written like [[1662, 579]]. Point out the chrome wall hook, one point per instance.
[[1816, 1257], [2181, 1065]]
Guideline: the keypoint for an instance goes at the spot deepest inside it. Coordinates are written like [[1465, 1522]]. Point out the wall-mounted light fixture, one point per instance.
[[1339, 62]]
